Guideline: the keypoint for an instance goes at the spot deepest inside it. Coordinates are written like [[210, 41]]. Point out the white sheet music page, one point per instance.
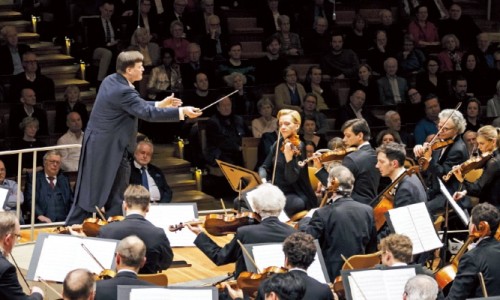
[[460, 212], [379, 284], [165, 215], [61, 254], [403, 224], [170, 294], [3, 197]]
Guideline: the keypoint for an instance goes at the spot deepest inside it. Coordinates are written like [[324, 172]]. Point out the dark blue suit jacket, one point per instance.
[[108, 289], [10, 289]]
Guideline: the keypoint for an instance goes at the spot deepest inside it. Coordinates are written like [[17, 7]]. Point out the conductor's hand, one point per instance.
[[233, 293], [196, 229], [170, 101], [192, 112]]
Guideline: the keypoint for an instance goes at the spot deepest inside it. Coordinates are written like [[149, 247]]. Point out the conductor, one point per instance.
[[104, 170]]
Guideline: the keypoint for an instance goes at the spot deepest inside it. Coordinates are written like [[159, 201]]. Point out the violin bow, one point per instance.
[[19, 270], [219, 100], [50, 287], [92, 255], [100, 213], [483, 285], [250, 258], [276, 157], [447, 119]]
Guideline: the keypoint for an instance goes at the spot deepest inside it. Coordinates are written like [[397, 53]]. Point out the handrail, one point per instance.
[[33, 182]]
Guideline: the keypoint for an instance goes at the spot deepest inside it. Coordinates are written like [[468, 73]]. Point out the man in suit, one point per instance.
[[53, 193], [130, 257], [410, 190], [393, 121], [354, 109], [159, 254], [194, 66], [361, 162], [392, 89], [10, 232], [148, 175], [27, 108], [268, 201], [79, 284], [344, 227], [482, 258], [11, 53], [110, 135]]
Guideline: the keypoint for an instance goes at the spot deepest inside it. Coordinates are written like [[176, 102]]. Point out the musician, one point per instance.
[[268, 201], [136, 205], [344, 227], [482, 258], [487, 187], [79, 284], [360, 162], [130, 257], [421, 287], [396, 250], [450, 127], [10, 288], [288, 176]]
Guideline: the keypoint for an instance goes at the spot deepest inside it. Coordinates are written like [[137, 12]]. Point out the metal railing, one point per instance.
[[33, 182]]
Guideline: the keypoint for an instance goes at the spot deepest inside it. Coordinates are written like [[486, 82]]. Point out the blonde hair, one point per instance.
[[295, 115]]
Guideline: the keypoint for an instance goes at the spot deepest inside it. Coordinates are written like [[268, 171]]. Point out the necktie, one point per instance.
[[51, 182], [144, 177], [108, 32]]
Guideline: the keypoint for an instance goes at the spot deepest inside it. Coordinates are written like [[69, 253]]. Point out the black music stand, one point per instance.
[[239, 178]]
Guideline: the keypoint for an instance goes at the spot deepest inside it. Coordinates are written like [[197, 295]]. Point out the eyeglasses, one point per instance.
[[55, 162], [413, 94], [17, 235]]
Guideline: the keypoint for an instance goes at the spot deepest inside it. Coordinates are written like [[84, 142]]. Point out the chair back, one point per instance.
[[160, 279]]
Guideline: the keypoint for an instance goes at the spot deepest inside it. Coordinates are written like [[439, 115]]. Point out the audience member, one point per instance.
[[322, 90], [470, 140], [201, 21], [428, 124], [393, 121], [29, 126], [309, 133], [391, 87], [458, 93], [31, 78], [484, 51], [235, 64], [290, 93], [450, 58], [159, 255], [195, 65], [313, 11], [10, 232], [269, 69], [11, 187], [387, 136], [339, 62], [72, 103], [53, 196], [130, 257], [379, 53], [411, 60], [357, 38], [165, 77], [178, 41], [317, 42], [71, 156], [290, 41], [244, 100], [477, 78], [421, 287], [424, 32], [463, 27], [267, 18], [214, 43], [202, 96], [493, 105], [473, 114], [367, 82], [266, 122], [141, 41], [27, 108], [146, 18], [354, 109], [177, 13], [431, 81], [392, 29], [79, 284], [11, 53], [309, 109], [148, 175]]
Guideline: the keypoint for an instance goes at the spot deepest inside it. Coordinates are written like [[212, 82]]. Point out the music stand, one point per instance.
[[239, 178]]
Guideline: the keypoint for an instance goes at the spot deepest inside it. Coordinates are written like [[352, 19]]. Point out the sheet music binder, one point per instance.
[[124, 290]]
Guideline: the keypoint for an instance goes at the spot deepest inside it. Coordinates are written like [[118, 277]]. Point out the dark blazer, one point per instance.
[[483, 258], [97, 34], [108, 289], [409, 191], [346, 113], [188, 73], [62, 111], [17, 114], [10, 289], [7, 66], [270, 230], [345, 227], [386, 96], [51, 203], [159, 254], [315, 290], [112, 126], [159, 178]]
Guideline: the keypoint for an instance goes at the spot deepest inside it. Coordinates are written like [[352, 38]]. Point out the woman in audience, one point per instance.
[[290, 93], [493, 105], [151, 51], [450, 58], [72, 104], [424, 33], [30, 127], [166, 77], [431, 81], [357, 38], [475, 75], [473, 115], [309, 133], [290, 42], [266, 122], [368, 84], [387, 136], [410, 60], [178, 42], [244, 100], [323, 90]]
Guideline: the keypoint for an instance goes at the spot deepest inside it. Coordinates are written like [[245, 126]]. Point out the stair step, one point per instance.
[[181, 182], [164, 150], [6, 6], [21, 25], [9, 15], [28, 37], [172, 165], [202, 200], [62, 84], [62, 72], [55, 60], [44, 48]]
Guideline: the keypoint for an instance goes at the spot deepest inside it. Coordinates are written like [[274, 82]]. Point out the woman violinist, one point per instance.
[[487, 187], [282, 166]]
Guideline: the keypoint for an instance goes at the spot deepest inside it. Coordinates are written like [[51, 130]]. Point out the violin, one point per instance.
[[473, 163], [435, 144], [249, 282], [386, 198], [329, 155], [105, 273], [219, 224], [332, 188], [91, 226], [294, 141]]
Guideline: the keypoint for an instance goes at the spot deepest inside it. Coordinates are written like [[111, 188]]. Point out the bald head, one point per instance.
[[79, 284]]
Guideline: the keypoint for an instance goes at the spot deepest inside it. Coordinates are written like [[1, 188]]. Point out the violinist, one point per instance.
[[288, 176], [130, 257], [396, 250], [484, 257], [421, 287], [450, 127], [344, 227], [360, 162], [10, 232], [136, 205], [487, 187], [268, 201], [79, 284], [409, 190]]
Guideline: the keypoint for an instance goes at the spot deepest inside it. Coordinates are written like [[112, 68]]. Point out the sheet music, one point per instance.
[[460, 212], [414, 221], [165, 215], [282, 217], [379, 284], [3, 197], [61, 254], [170, 294]]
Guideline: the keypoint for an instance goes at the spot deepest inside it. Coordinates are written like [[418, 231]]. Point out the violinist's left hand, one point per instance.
[[458, 173], [233, 293], [196, 229]]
